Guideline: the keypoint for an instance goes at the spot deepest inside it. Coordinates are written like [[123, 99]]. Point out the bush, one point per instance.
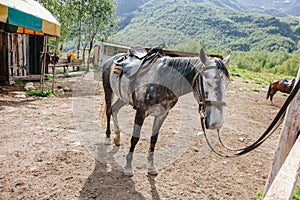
[[40, 93]]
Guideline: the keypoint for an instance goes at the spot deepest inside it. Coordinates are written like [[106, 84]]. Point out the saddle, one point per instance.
[[136, 59], [287, 83]]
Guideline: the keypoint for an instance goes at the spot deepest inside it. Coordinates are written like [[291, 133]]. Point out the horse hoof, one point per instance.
[[107, 141], [128, 172], [117, 142], [152, 172]]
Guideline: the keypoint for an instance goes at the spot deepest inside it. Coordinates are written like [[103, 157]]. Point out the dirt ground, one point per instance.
[[53, 148]]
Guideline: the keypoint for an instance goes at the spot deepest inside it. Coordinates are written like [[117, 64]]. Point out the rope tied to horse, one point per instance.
[[268, 132]]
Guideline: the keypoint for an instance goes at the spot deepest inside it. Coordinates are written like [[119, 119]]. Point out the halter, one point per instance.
[[268, 132], [198, 82]]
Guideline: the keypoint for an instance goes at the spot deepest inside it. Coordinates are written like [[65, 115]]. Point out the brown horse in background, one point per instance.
[[50, 59], [283, 85]]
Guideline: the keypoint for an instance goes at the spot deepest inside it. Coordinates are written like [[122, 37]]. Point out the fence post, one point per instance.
[[288, 137]]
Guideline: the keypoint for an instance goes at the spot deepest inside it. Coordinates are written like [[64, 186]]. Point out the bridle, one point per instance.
[[197, 84]]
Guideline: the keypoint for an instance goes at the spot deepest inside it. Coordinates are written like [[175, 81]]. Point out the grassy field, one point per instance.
[[261, 79]]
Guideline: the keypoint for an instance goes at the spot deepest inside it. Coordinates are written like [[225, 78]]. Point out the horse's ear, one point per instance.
[[203, 56], [226, 60]]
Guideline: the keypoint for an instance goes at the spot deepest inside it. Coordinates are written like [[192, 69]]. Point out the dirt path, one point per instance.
[[52, 148]]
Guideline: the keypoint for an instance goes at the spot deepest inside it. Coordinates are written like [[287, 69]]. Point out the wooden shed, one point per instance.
[[23, 27], [105, 50]]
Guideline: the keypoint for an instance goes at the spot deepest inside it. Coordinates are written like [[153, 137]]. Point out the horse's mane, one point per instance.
[[187, 66], [222, 67]]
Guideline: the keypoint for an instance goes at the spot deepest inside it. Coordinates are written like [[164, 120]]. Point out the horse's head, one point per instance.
[[209, 89], [54, 59]]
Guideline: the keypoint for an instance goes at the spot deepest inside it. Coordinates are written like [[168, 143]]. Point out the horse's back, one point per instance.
[[109, 62], [107, 65]]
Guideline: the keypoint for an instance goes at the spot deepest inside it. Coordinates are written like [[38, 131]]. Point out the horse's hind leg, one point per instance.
[[158, 121], [138, 123], [115, 110], [272, 94], [269, 91]]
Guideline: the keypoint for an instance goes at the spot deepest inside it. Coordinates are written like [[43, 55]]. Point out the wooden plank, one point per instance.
[[70, 64], [282, 187], [33, 77], [289, 134], [69, 74]]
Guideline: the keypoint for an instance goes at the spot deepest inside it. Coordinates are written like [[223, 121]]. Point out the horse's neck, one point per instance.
[[188, 67], [181, 74]]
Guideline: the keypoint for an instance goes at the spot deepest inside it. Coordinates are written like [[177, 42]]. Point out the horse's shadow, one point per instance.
[[108, 181], [154, 191]]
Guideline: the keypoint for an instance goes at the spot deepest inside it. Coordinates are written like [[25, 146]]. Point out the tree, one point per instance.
[[191, 47], [98, 19], [83, 20], [63, 12]]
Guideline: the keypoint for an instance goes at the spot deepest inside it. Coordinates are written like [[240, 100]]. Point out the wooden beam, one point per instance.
[[53, 68], [289, 134], [32, 77], [282, 187]]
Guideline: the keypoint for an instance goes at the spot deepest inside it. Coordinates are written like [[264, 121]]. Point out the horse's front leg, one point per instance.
[[115, 110], [138, 123], [158, 121]]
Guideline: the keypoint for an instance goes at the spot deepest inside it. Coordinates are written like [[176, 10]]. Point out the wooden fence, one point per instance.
[[286, 165]]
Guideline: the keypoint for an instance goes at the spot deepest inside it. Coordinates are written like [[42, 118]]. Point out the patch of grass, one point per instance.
[[40, 93], [255, 90], [258, 82], [296, 195], [249, 76], [260, 195], [19, 83], [235, 74]]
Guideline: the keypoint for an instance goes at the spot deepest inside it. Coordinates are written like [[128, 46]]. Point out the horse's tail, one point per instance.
[[104, 117], [108, 92], [104, 107], [269, 91]]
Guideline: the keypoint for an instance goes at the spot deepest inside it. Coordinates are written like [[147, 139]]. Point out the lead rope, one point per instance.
[[275, 123], [231, 149], [241, 149]]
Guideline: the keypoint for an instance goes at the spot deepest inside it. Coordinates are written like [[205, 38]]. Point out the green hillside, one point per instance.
[[212, 24]]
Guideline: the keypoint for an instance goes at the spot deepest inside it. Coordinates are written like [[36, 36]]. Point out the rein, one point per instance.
[[268, 132]]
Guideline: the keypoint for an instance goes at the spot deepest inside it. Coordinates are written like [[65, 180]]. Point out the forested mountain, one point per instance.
[[226, 24], [271, 7], [277, 8]]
